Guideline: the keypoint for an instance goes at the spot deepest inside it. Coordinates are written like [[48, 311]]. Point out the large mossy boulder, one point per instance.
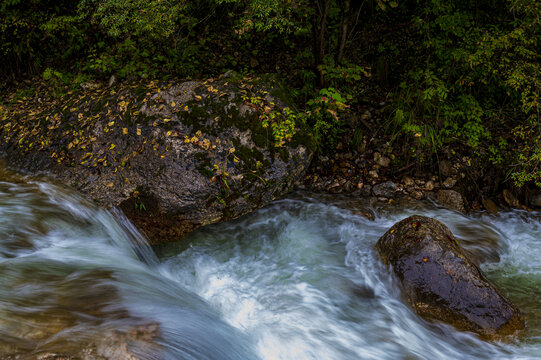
[[441, 283], [173, 156]]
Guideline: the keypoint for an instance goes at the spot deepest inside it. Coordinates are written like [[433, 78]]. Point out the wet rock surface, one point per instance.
[[441, 283], [452, 200], [173, 156], [136, 343]]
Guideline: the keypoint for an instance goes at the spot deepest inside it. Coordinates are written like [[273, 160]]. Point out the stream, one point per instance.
[[298, 279]]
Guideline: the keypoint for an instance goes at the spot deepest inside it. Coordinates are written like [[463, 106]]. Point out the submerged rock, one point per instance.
[[139, 343], [441, 283], [173, 156]]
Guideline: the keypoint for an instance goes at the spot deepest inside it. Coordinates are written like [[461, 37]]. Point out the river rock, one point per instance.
[[173, 156], [510, 199], [449, 182], [408, 181], [441, 283], [535, 200], [490, 205], [417, 194], [385, 189], [451, 199], [429, 185], [381, 160], [136, 344], [446, 169]]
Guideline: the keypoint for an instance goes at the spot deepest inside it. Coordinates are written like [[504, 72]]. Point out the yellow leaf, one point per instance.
[[198, 133], [186, 108], [112, 146], [173, 104], [125, 131], [138, 131], [169, 133], [111, 123], [166, 120], [198, 97], [110, 184]]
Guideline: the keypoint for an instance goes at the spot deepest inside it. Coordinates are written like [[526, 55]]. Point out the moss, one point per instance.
[[283, 153], [195, 116], [261, 140], [248, 155], [204, 166], [140, 92]]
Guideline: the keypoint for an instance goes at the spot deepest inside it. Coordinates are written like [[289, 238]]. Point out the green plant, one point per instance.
[[323, 117], [282, 124]]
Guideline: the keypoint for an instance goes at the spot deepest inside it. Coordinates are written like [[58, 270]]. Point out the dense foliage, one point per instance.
[[460, 74]]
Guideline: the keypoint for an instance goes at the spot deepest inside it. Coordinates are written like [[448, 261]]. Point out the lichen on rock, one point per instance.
[[173, 156]]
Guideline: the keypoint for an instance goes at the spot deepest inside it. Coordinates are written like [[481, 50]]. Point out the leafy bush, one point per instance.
[[474, 81]]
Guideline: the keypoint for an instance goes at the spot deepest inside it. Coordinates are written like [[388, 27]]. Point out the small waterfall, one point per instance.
[[298, 279]]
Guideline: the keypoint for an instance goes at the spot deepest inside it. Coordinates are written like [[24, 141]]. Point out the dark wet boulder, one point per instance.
[[173, 156], [441, 283]]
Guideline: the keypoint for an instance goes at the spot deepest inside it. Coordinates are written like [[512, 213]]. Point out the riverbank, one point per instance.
[[373, 166], [366, 161]]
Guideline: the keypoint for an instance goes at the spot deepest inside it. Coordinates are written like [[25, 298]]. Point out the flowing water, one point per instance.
[[296, 280]]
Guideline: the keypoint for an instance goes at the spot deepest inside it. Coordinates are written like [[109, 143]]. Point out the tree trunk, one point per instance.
[[319, 27], [344, 29]]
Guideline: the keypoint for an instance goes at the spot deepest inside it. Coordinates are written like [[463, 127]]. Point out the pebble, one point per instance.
[[449, 182], [417, 195], [381, 160], [407, 181], [373, 173]]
